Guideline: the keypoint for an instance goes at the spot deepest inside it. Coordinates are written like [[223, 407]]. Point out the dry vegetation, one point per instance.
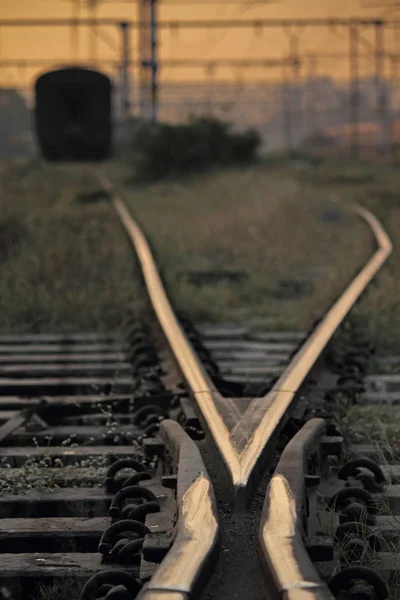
[[65, 263], [297, 249], [281, 225], [58, 590], [379, 426], [376, 188]]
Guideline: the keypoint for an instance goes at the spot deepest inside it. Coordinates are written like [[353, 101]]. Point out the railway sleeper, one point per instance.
[[322, 523], [65, 502], [55, 436], [63, 528], [17, 457], [64, 386]]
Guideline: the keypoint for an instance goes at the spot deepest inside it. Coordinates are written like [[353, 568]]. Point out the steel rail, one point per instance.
[[252, 435], [197, 528], [288, 568]]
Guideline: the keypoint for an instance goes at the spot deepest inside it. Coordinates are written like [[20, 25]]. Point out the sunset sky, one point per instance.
[[54, 43]]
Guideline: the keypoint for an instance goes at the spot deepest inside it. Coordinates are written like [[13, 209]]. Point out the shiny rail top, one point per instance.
[[242, 438]]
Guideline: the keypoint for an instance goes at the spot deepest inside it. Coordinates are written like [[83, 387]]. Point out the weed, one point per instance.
[[378, 425], [370, 424], [12, 234], [46, 473], [58, 590], [375, 188], [259, 220], [65, 264]]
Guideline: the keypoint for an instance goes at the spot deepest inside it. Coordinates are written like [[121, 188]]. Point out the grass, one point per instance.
[[369, 556], [377, 188], [65, 262], [281, 226], [296, 249], [58, 590], [379, 426], [372, 424]]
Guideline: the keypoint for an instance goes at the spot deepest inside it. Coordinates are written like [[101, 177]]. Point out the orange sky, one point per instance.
[[38, 43]]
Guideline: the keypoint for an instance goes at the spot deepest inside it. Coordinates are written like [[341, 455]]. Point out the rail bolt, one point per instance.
[[344, 497], [366, 471], [355, 529], [348, 578], [139, 513], [143, 414], [116, 577], [108, 538], [119, 592], [113, 485], [356, 511], [133, 491]]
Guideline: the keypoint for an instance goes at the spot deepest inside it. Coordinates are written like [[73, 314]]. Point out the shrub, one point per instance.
[[204, 142]]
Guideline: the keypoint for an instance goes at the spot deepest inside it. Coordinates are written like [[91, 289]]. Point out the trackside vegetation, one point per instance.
[[201, 144]]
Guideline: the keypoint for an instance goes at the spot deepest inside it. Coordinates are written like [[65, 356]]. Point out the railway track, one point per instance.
[[165, 464]]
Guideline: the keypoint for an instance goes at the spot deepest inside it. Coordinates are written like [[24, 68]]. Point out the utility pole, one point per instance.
[[383, 119], [74, 39], [75, 23], [286, 100], [154, 63], [125, 100], [291, 92], [148, 59], [354, 94], [92, 9], [296, 91], [310, 112]]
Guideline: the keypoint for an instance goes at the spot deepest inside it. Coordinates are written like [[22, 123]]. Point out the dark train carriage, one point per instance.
[[73, 114]]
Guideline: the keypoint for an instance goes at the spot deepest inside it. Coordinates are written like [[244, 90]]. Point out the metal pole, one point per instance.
[[383, 121], [154, 63], [354, 89], [209, 103], [296, 108], [144, 42], [74, 40], [309, 104], [93, 33], [125, 71], [286, 111]]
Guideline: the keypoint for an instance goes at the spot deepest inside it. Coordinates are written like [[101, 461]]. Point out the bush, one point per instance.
[[204, 142]]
